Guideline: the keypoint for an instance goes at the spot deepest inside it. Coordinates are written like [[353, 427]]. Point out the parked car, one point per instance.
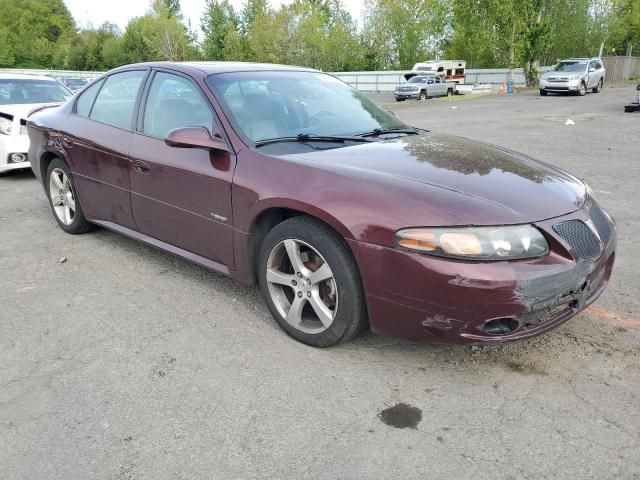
[[422, 87], [74, 83], [344, 215], [574, 75], [19, 95]]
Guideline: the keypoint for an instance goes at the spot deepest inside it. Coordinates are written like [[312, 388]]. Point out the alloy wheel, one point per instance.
[[302, 286], [62, 197]]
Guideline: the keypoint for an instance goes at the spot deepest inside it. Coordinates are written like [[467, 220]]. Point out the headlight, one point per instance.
[[5, 126], [476, 243]]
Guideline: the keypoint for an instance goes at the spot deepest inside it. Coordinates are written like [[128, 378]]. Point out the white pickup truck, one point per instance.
[[424, 86]]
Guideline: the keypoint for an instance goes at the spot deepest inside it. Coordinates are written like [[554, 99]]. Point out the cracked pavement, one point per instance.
[[127, 363]]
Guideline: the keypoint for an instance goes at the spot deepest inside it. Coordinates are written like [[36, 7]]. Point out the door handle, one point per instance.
[[141, 167]]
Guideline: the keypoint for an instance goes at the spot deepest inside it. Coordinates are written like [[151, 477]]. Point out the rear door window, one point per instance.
[[117, 99]]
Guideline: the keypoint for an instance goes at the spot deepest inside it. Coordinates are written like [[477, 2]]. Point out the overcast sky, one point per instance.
[[96, 12]]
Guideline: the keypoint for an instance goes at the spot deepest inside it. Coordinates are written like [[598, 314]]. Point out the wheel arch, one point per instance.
[[45, 160], [47, 156], [273, 214]]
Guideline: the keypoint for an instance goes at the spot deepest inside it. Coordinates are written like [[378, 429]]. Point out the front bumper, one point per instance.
[[559, 86], [405, 95], [10, 144], [435, 300]]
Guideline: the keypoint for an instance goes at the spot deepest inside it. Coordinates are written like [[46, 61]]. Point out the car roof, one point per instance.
[[209, 68], [25, 76]]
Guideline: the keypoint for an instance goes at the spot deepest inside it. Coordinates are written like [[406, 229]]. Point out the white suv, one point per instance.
[[575, 75], [19, 95]]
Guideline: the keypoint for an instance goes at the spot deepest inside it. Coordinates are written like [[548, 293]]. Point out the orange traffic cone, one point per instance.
[[503, 88]]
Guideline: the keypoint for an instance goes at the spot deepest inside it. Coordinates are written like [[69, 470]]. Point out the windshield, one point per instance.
[[417, 80], [32, 91], [570, 67], [266, 104]]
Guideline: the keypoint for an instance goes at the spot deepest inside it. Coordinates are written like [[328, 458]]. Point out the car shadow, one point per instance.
[[18, 176], [529, 357]]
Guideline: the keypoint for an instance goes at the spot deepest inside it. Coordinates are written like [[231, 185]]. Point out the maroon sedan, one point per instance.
[[345, 216]]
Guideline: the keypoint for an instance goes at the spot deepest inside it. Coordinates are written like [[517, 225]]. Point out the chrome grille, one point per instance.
[[580, 237], [601, 223]]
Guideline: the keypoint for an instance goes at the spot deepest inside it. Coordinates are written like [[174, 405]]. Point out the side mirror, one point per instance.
[[591, 69], [195, 137]]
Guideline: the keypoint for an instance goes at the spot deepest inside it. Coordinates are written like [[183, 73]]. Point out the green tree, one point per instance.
[[34, 28], [409, 31], [219, 25], [624, 35], [7, 58], [172, 7], [158, 35]]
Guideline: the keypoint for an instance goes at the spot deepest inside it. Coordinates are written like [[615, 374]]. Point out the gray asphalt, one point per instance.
[[123, 362]]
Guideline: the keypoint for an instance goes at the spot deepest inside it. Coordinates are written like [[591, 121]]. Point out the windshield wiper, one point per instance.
[[376, 132], [309, 137]]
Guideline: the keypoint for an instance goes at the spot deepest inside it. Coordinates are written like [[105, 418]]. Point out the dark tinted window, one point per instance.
[[117, 99], [85, 100], [174, 102]]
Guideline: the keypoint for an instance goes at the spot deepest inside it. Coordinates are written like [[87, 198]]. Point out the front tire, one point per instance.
[[583, 90], [422, 96], [311, 283], [63, 200], [598, 87], [543, 93]]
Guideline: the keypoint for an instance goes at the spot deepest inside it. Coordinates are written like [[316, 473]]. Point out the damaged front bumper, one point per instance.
[[431, 299]]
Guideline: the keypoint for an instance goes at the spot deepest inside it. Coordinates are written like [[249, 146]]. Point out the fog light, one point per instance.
[[18, 157]]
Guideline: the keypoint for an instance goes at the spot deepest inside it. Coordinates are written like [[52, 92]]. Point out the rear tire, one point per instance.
[[63, 199], [311, 283]]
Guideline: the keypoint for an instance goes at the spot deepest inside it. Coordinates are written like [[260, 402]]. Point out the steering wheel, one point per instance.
[[321, 113]]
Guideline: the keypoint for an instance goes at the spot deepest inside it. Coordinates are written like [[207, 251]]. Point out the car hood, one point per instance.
[[475, 182], [554, 74], [22, 110]]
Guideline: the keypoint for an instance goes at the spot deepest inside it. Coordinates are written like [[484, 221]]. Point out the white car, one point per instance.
[[19, 96]]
